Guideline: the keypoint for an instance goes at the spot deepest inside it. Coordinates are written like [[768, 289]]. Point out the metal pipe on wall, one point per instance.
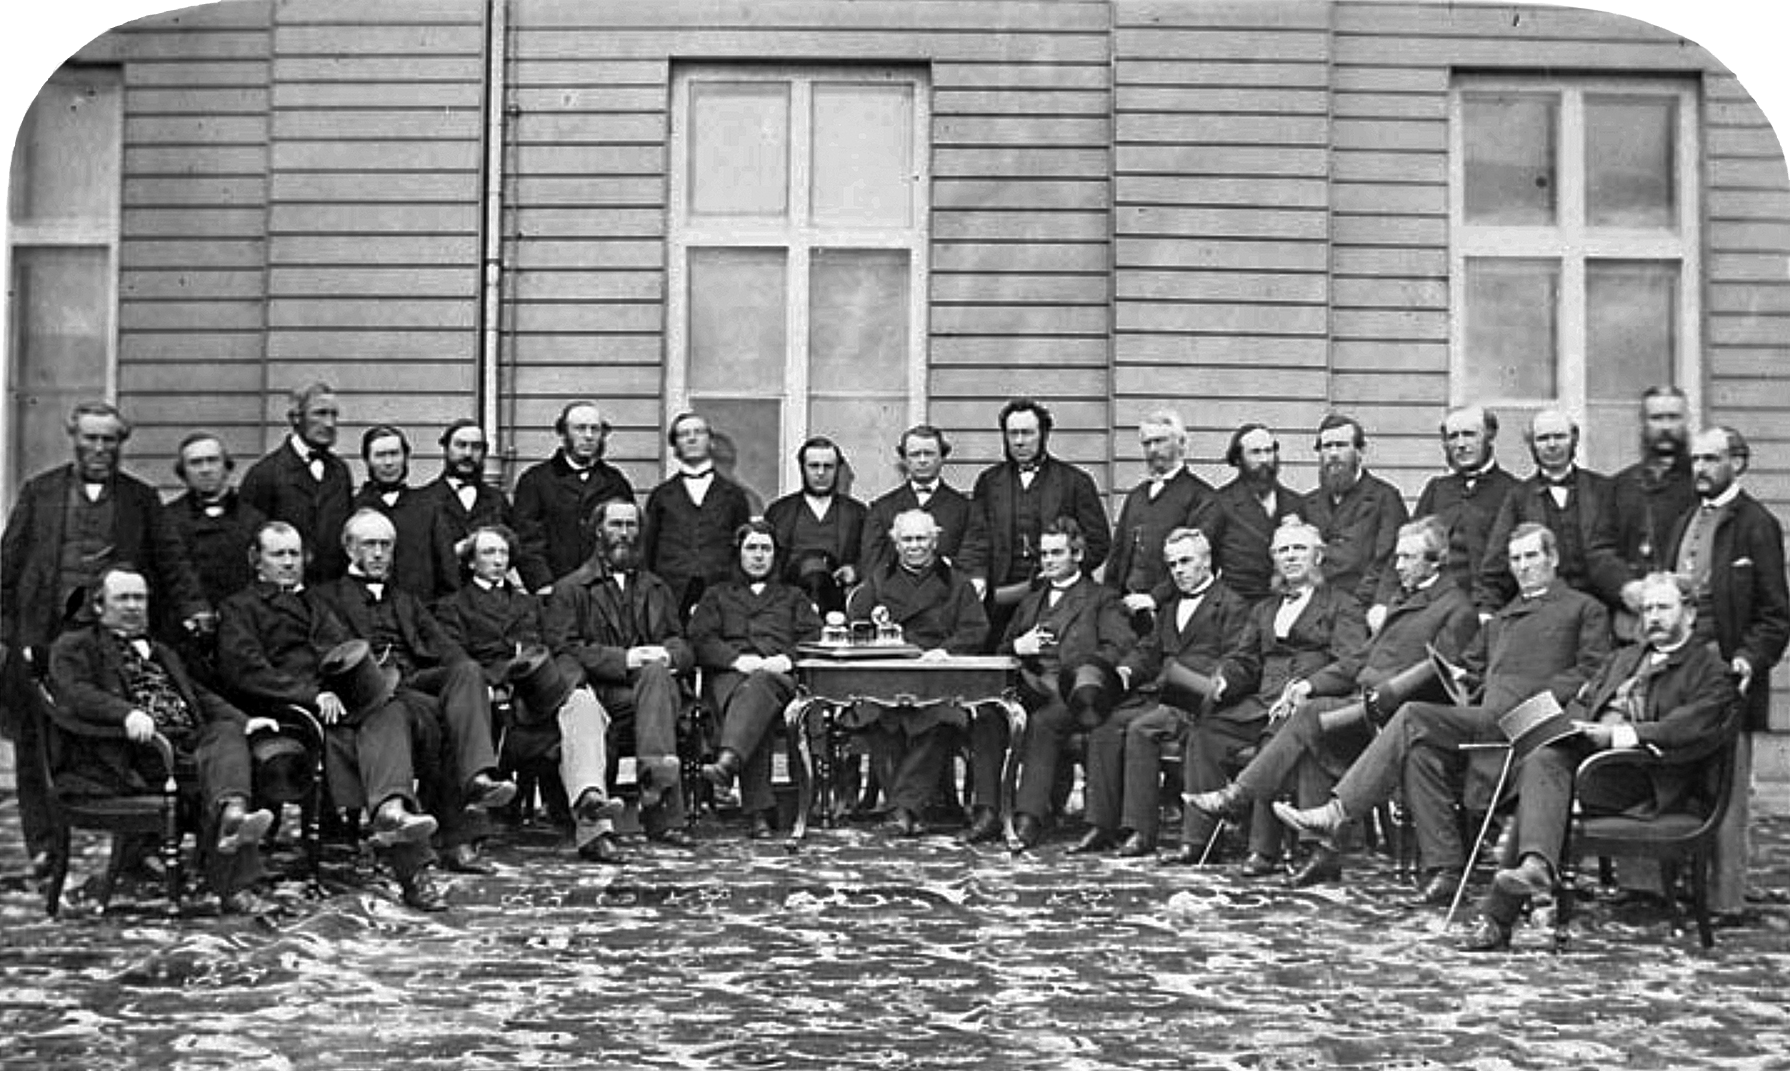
[[491, 275]]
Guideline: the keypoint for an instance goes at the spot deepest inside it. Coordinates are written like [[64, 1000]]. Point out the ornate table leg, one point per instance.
[[801, 753], [1015, 712]]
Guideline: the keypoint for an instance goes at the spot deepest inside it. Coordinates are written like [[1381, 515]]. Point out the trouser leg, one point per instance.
[[1728, 866], [1146, 738], [1104, 797], [656, 700], [584, 757], [752, 709], [1435, 771], [1210, 744], [221, 756], [919, 757], [465, 710], [1047, 729], [988, 756]]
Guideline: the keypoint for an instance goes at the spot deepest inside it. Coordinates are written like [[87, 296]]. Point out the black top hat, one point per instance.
[[1091, 689], [283, 769], [1534, 723], [538, 680], [362, 684]]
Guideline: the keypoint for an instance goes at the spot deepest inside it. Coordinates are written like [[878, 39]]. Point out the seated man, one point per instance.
[[939, 612], [1288, 638], [1195, 630], [1667, 692], [745, 632], [1067, 622], [616, 625], [495, 621], [110, 674], [1550, 638], [272, 636], [1428, 610], [461, 779]]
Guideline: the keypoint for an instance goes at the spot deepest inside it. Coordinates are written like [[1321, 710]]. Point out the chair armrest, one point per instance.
[[300, 722], [1641, 757]]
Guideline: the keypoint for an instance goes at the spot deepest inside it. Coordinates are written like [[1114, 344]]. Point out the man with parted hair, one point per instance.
[[1654, 492], [1170, 496], [423, 562], [1357, 513], [922, 452], [461, 494], [1465, 500], [687, 525], [1241, 517], [555, 497], [820, 529], [304, 483], [214, 523]]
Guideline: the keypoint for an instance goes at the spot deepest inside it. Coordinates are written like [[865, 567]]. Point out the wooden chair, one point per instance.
[[149, 814], [1673, 838], [298, 723]]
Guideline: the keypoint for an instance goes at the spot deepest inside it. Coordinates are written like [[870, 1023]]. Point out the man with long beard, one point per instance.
[[1656, 490], [1240, 518], [1357, 513]]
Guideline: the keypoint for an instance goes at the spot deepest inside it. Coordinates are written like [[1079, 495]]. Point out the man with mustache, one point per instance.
[[1169, 497], [1240, 518], [1357, 513], [554, 498], [1655, 491], [460, 494]]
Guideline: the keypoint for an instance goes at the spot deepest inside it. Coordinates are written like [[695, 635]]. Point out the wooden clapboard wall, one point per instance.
[[1020, 253]]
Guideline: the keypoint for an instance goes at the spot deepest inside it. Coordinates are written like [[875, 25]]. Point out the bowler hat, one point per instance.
[[538, 680], [283, 768], [1534, 723], [362, 684]]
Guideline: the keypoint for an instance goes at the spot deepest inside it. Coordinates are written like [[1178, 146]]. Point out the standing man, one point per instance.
[[1732, 550], [216, 526], [304, 483], [1466, 500], [555, 498], [1654, 492], [1243, 515], [1355, 512], [1021, 495], [616, 624], [1575, 504], [68, 525], [423, 563], [686, 536], [922, 452], [819, 530], [460, 494], [1169, 497]]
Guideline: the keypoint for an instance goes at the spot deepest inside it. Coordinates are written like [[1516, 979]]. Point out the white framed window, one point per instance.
[[61, 263], [1574, 253], [797, 259]]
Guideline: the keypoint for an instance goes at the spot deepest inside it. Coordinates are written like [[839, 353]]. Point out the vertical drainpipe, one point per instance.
[[489, 313]]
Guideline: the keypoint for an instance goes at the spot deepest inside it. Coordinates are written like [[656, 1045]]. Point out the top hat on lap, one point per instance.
[[362, 684], [538, 680], [1091, 690], [1534, 723]]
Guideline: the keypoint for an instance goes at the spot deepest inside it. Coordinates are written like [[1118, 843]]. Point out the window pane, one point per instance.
[[1512, 327], [738, 336], [739, 149], [857, 319], [65, 163], [1630, 161], [748, 436], [1510, 142], [62, 321], [863, 155], [1631, 326], [866, 429]]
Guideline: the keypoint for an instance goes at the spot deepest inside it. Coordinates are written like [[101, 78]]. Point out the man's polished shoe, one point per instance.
[[1437, 890], [464, 859], [422, 893], [1323, 865], [1027, 831], [1136, 846], [1226, 802], [1531, 877], [1094, 840], [1322, 821], [485, 792], [762, 827], [656, 778], [901, 823], [394, 825], [985, 826], [593, 808], [723, 770], [247, 902], [1257, 865], [1487, 935], [41, 865], [238, 827], [603, 848], [673, 838]]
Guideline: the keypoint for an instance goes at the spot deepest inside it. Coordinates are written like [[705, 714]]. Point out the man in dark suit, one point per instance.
[[1308, 625], [1430, 609], [215, 524], [938, 612], [1577, 505], [462, 780], [272, 639], [460, 494], [745, 633], [111, 674], [1550, 638], [1169, 497], [1357, 513], [1240, 518], [922, 452], [1654, 492], [68, 524], [554, 498], [1732, 550], [304, 483], [819, 529], [1066, 622], [1465, 500], [1021, 495], [1195, 629], [1669, 693], [686, 536], [423, 563], [616, 624]]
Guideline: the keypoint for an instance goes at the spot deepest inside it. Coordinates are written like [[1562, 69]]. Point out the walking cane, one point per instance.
[[1484, 827]]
